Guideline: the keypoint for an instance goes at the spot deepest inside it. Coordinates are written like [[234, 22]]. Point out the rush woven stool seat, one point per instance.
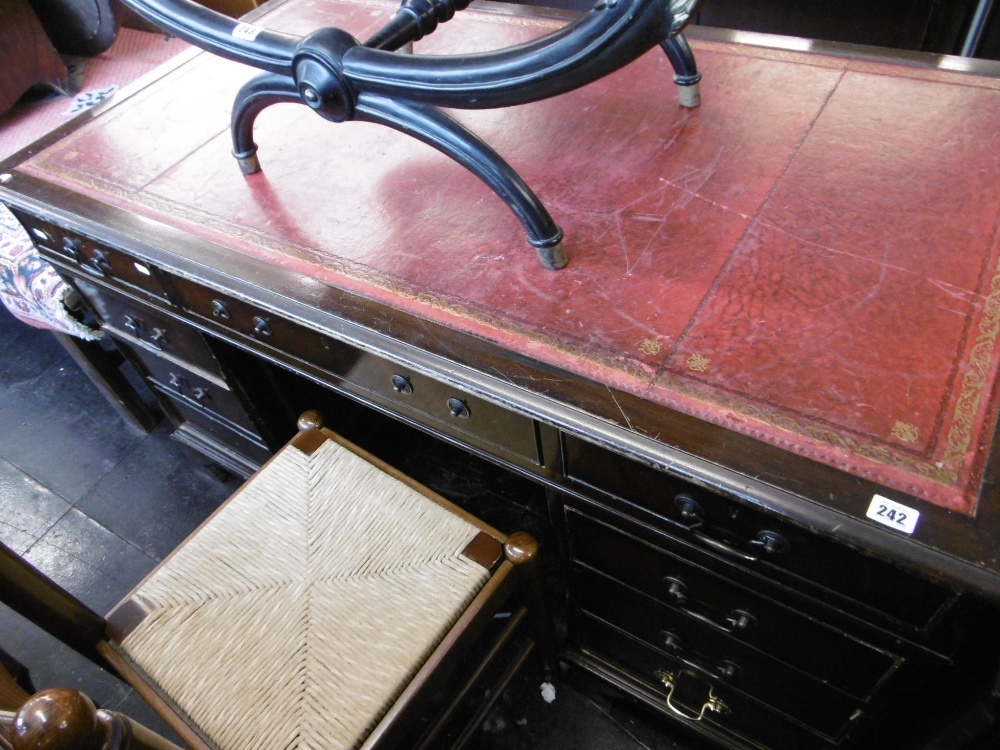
[[331, 602]]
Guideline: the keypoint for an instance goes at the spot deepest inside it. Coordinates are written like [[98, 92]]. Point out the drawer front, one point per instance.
[[752, 724], [151, 330], [411, 394], [708, 651], [91, 258], [870, 587], [445, 406], [221, 430], [709, 599], [181, 383]]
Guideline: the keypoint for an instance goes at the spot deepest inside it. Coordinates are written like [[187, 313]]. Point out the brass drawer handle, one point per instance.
[[712, 703]]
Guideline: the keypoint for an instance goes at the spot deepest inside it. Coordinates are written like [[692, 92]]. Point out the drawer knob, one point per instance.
[[458, 408], [219, 309], [671, 640], [401, 384], [771, 542], [70, 247], [740, 619], [712, 703], [727, 670], [157, 338], [199, 394], [131, 324], [261, 327], [676, 588], [177, 381], [689, 510], [99, 265]]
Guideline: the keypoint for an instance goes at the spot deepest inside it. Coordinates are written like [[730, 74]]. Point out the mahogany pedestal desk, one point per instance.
[[758, 405]]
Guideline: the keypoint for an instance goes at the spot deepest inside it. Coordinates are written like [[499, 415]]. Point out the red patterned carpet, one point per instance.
[[132, 55]]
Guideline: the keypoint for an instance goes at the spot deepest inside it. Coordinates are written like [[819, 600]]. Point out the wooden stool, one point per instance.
[[331, 602]]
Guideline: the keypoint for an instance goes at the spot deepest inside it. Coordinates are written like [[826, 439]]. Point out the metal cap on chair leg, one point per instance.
[[689, 95]]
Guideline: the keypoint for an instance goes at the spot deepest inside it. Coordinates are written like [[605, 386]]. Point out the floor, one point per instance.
[[95, 504]]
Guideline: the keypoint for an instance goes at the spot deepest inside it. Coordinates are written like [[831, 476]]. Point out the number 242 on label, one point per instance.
[[892, 514]]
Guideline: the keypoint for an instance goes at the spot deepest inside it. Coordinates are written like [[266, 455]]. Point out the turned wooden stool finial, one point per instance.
[[521, 548], [57, 719], [310, 420], [66, 719]]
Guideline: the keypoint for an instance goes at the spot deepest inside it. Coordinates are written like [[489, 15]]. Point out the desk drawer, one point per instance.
[[182, 383], [865, 585], [151, 330], [711, 652], [228, 436], [749, 723], [407, 393], [696, 595], [91, 258], [445, 407]]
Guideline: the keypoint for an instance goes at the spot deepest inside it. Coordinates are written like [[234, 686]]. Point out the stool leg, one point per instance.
[[435, 128], [254, 97], [521, 550], [686, 74]]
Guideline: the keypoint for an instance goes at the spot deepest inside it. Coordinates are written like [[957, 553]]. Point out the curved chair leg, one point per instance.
[[686, 74], [253, 98], [435, 128]]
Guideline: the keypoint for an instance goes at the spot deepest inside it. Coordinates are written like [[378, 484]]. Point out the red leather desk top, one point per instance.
[[810, 258]]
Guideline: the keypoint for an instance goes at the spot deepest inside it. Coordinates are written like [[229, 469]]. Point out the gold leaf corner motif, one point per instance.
[[905, 432], [698, 363], [650, 346]]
